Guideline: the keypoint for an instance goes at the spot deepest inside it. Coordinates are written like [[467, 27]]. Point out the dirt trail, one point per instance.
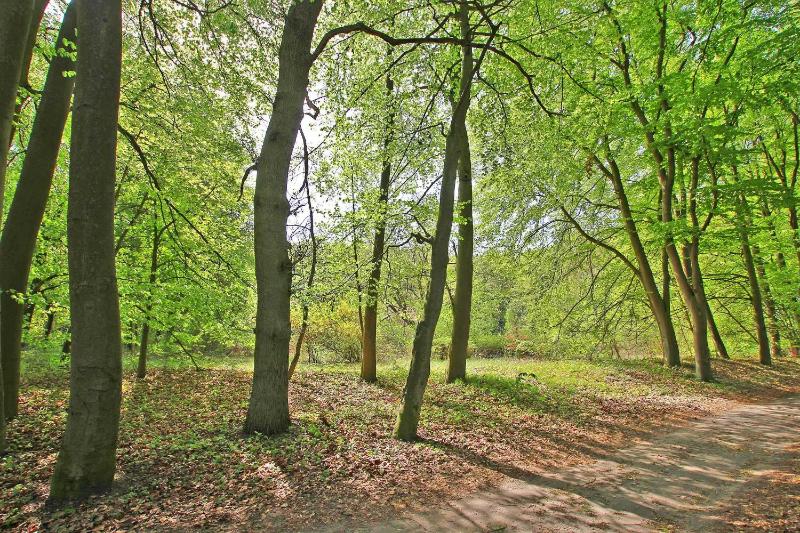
[[678, 481]]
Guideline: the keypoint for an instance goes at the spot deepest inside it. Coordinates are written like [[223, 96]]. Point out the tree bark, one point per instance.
[[369, 358], [141, 367], [39, 7], [14, 24], [658, 306], [462, 302], [18, 241], [769, 304], [87, 460], [419, 372], [716, 336], [268, 412], [764, 353]]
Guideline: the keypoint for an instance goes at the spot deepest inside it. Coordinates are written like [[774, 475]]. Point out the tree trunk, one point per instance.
[[462, 302], [716, 336], [87, 460], [691, 290], [368, 344], [18, 241], [268, 412], [769, 304], [658, 306], [14, 23], [419, 372], [764, 353], [51, 320], [141, 368], [39, 7]]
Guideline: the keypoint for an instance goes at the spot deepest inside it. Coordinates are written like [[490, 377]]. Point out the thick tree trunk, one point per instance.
[[268, 412], [370, 322], [462, 302], [14, 23], [18, 241], [658, 306], [87, 460], [419, 372]]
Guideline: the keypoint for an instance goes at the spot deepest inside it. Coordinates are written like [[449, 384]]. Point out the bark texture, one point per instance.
[[18, 241], [14, 23], [141, 367], [268, 412], [658, 305], [368, 344], [419, 372], [462, 301], [87, 459], [764, 353]]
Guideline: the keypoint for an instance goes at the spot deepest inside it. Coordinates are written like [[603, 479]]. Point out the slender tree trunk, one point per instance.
[[780, 263], [18, 241], [141, 368], [312, 271], [369, 357], [658, 306], [769, 304], [268, 412], [87, 460], [462, 302], [51, 320], [716, 336], [691, 290], [419, 372], [764, 353]]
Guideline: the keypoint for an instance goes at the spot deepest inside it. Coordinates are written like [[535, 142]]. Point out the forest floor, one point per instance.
[[183, 463]]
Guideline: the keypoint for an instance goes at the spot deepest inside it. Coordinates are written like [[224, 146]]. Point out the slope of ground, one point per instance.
[[183, 462], [701, 478]]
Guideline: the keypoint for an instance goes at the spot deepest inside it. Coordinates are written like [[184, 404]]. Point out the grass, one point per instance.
[[183, 462]]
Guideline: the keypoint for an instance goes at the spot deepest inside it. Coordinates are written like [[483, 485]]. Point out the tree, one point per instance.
[[408, 418], [19, 236], [87, 459], [462, 301], [14, 25], [268, 411]]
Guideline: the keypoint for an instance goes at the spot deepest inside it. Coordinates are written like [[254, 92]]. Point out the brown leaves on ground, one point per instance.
[[770, 501], [183, 462]]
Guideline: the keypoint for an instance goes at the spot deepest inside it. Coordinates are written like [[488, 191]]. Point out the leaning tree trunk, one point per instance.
[[268, 412], [39, 7], [27, 208], [764, 354], [87, 460], [369, 338], [659, 305], [462, 302], [691, 289], [419, 372], [716, 336], [14, 23]]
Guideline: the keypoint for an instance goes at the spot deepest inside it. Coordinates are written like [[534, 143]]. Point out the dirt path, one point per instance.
[[677, 482]]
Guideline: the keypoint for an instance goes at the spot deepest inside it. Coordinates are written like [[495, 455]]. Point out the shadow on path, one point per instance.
[[681, 479]]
